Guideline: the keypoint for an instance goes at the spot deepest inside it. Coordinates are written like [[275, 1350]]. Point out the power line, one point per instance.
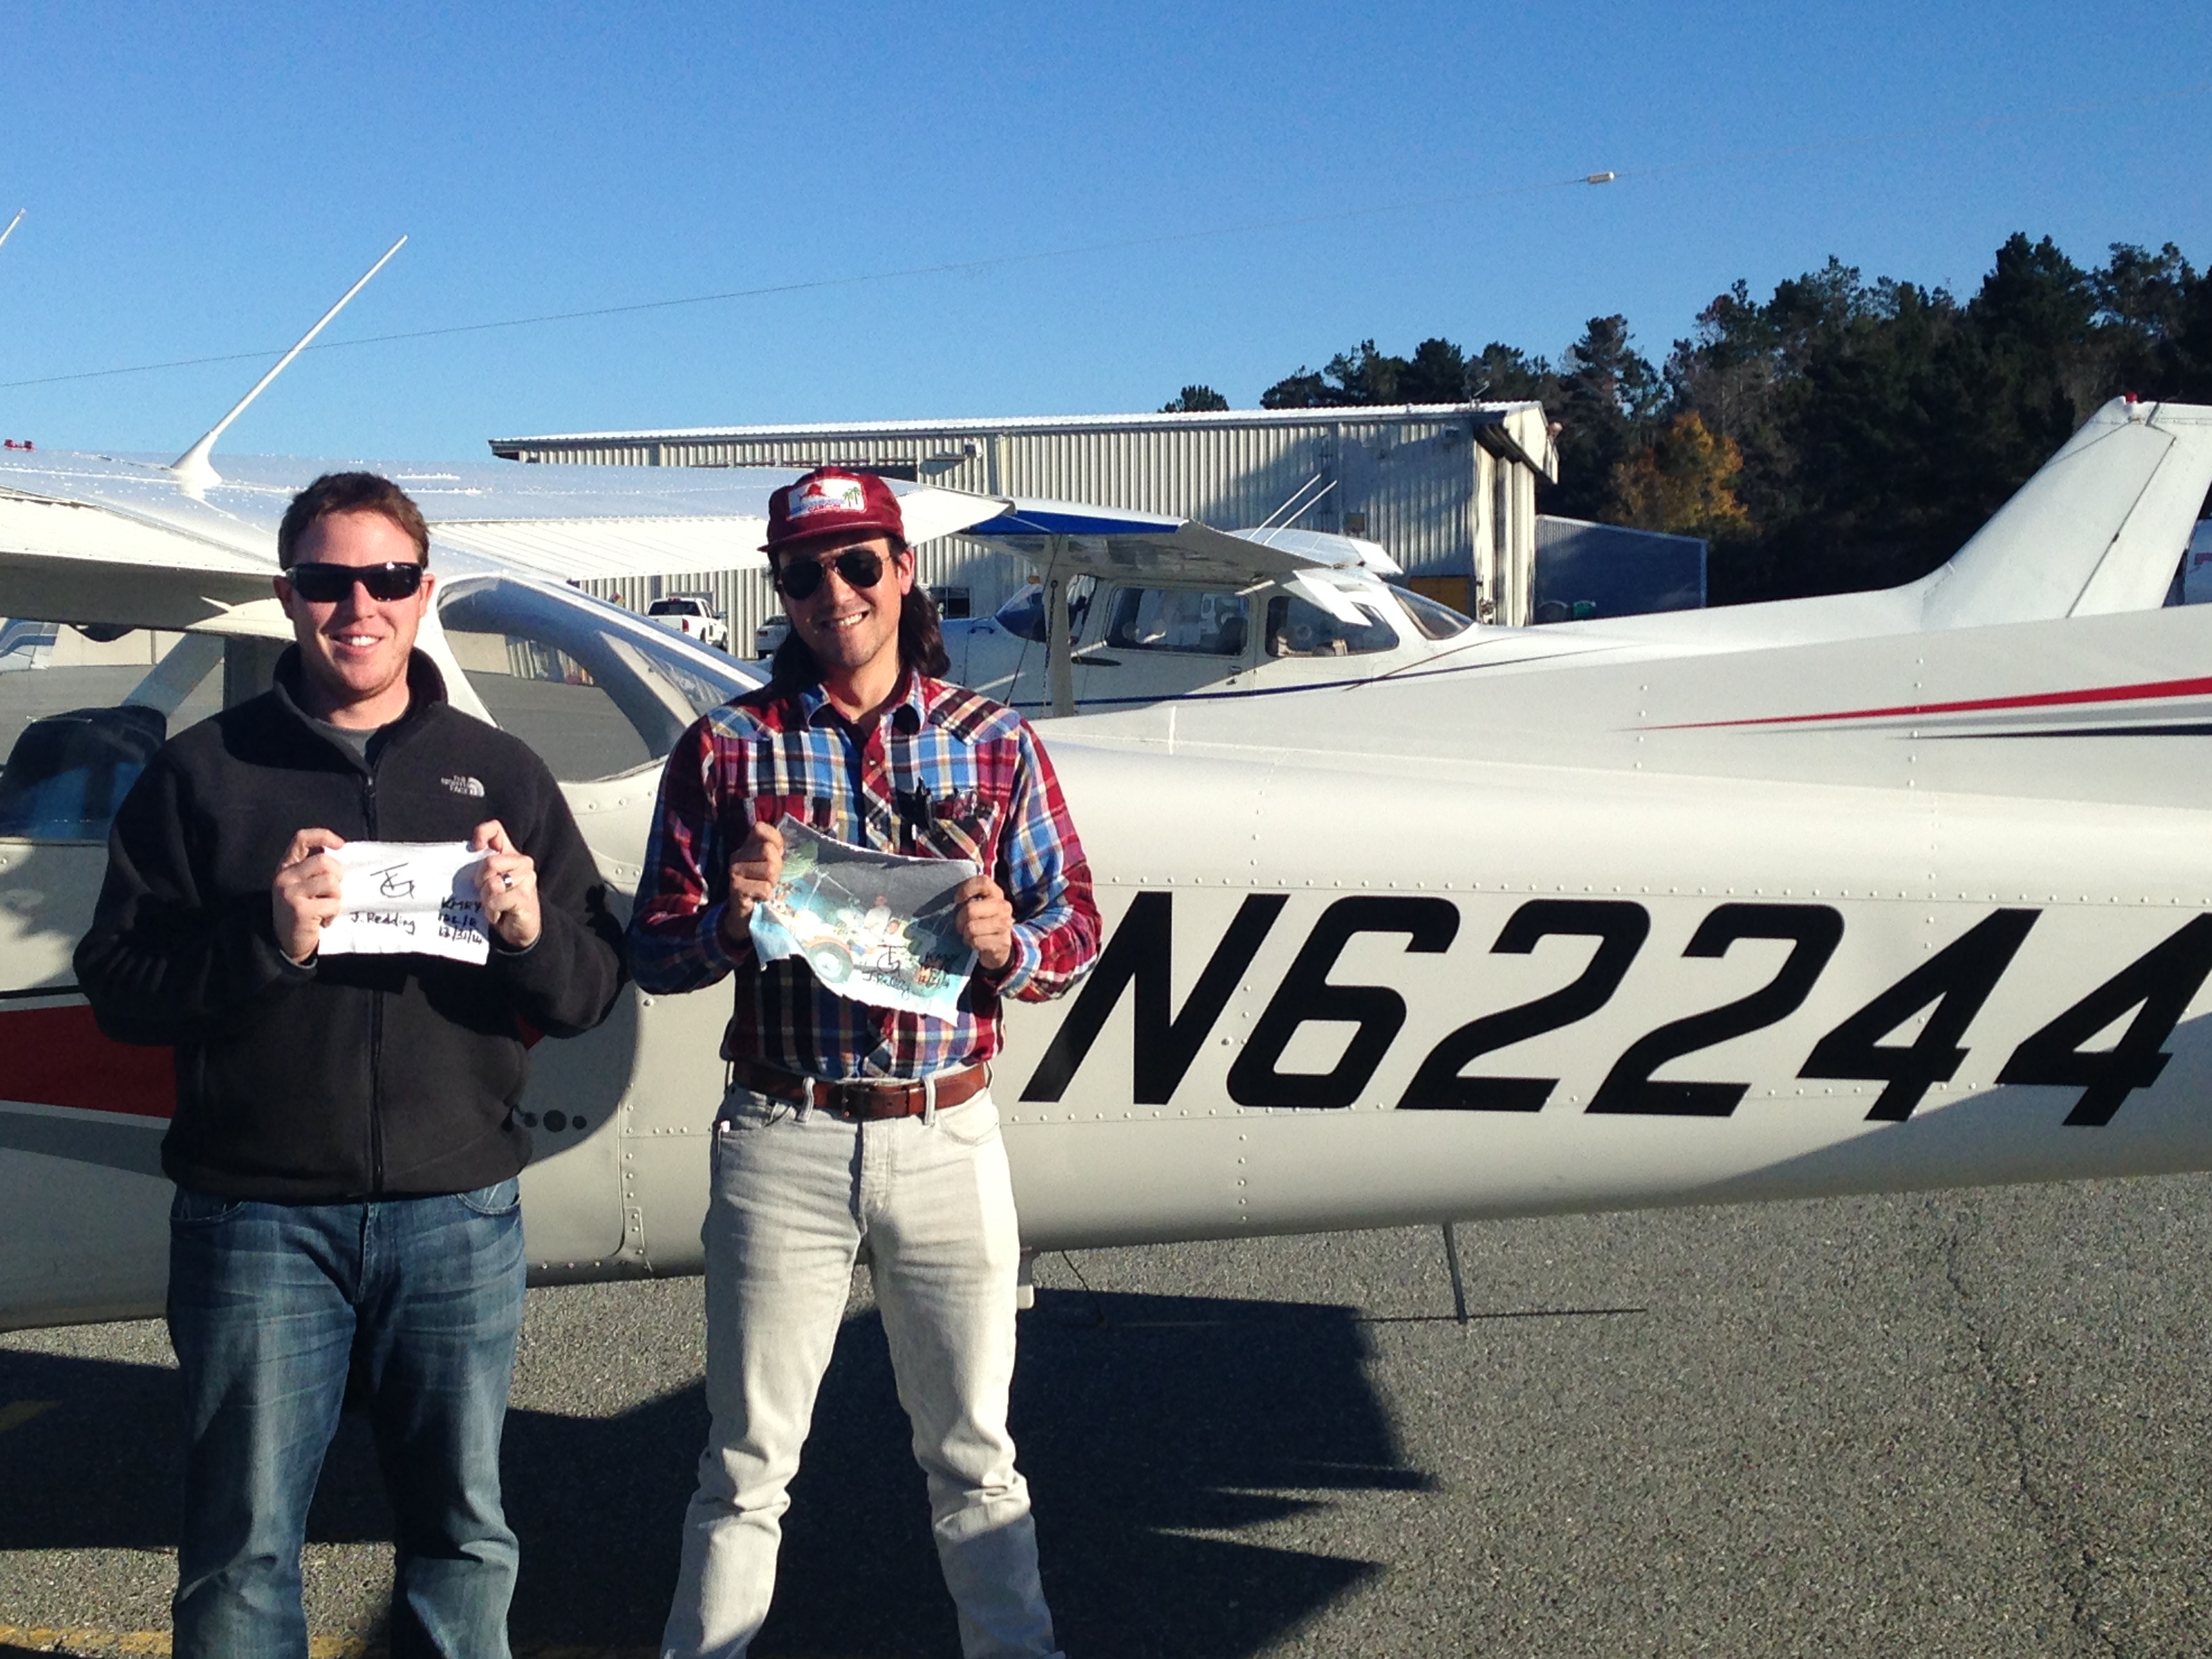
[[954, 267], [1131, 244]]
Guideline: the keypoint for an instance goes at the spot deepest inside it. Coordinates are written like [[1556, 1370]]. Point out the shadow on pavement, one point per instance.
[[1144, 1423]]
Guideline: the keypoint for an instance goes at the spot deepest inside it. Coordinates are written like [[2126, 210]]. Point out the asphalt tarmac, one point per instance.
[[1950, 1423]]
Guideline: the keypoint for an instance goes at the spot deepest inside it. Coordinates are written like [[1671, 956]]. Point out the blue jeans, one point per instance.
[[272, 1307]]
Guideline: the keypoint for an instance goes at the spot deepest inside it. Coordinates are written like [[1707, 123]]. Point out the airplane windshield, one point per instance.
[[594, 690], [1023, 616], [1436, 622]]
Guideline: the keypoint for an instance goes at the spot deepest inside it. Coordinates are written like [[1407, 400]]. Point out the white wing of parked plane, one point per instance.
[[1079, 540], [98, 538], [1073, 540]]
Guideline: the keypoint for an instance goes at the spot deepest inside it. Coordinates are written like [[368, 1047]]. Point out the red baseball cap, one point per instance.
[[830, 502]]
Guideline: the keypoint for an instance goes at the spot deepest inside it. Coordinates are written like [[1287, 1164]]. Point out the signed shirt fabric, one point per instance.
[[944, 774]]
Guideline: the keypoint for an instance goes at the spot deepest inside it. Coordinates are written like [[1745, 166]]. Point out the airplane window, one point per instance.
[[592, 688], [1299, 628], [1436, 622], [1177, 619], [81, 713]]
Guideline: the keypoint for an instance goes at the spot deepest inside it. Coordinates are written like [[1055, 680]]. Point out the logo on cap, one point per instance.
[[827, 496]]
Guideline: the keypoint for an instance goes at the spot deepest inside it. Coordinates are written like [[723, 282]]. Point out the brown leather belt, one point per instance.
[[865, 1103]]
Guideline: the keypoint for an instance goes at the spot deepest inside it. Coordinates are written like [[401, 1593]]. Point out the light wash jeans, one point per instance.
[[271, 1307], [795, 1193]]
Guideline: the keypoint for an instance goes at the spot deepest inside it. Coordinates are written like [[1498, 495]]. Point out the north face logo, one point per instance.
[[463, 785]]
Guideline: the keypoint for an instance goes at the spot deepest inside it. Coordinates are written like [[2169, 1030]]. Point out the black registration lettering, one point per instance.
[[1814, 929], [1141, 952], [1958, 980], [2159, 987], [1618, 927], [1305, 994]]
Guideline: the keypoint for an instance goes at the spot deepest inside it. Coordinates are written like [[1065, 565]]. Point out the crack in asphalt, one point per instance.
[[2073, 1564]]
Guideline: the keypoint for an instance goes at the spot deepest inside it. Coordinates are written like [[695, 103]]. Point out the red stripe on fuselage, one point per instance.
[[2143, 693], [57, 1057]]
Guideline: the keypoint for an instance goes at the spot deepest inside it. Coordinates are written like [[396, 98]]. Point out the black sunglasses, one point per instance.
[[801, 579], [327, 584]]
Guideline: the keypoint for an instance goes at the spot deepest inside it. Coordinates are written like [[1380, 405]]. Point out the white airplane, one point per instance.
[[1922, 909], [1159, 607], [1619, 927]]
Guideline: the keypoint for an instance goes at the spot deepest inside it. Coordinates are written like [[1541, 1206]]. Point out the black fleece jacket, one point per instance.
[[353, 1076]]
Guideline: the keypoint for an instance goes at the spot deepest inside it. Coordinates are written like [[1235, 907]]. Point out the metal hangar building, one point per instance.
[[1449, 490]]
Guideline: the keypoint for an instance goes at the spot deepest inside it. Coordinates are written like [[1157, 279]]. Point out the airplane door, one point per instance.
[[82, 1118]]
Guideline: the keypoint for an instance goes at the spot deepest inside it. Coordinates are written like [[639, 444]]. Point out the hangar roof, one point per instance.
[[1516, 430]]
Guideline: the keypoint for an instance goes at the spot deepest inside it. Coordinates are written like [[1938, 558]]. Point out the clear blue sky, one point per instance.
[[205, 179]]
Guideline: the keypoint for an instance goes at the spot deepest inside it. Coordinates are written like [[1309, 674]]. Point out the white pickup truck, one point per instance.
[[693, 615]]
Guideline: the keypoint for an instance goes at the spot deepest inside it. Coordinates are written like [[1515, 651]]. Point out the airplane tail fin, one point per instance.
[[2100, 528]]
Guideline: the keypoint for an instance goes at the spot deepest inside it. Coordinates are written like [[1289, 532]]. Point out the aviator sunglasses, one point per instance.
[[327, 584], [801, 579]]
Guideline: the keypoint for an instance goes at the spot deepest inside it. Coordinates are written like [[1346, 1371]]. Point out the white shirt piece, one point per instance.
[[403, 896]]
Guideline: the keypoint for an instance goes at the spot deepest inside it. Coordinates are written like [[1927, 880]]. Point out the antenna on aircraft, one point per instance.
[[12, 223], [192, 469]]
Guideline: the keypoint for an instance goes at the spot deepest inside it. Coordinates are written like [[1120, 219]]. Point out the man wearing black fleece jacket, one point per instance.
[[345, 1145]]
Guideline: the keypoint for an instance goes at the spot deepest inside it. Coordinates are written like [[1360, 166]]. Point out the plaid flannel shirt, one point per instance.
[[945, 774]]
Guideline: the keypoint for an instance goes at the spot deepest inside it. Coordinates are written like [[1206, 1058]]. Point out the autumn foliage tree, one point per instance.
[[1683, 481]]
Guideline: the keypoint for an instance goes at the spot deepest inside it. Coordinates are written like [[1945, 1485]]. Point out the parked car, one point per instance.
[[693, 615], [769, 635]]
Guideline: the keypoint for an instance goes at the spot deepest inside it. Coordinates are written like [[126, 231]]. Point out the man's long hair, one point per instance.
[[920, 642]]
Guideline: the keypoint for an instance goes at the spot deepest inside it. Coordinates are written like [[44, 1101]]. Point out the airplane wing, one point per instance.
[[581, 522], [1095, 541], [99, 538], [86, 538]]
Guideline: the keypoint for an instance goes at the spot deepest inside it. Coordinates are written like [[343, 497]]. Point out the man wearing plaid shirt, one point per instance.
[[844, 1123]]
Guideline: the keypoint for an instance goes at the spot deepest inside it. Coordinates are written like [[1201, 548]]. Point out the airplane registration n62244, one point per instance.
[[1520, 929], [1858, 932], [1543, 1053]]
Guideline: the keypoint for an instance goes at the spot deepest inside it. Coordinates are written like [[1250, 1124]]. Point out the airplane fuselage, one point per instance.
[[1815, 944]]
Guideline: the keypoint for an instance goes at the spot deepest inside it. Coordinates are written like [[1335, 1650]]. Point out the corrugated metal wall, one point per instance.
[[1424, 487]]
